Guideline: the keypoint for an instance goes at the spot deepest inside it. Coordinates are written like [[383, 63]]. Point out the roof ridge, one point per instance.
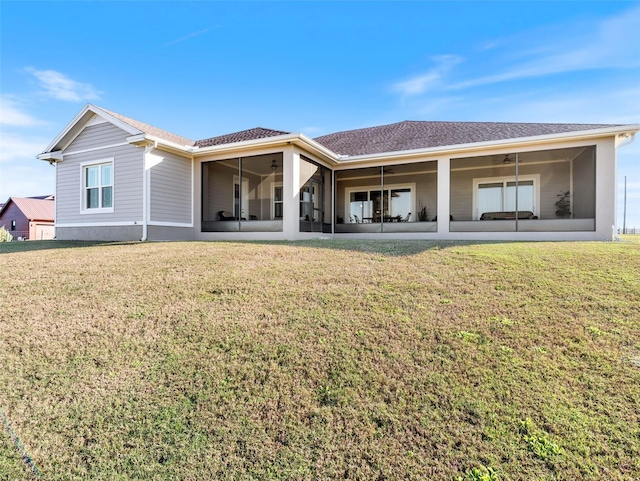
[[467, 122], [245, 130], [253, 133]]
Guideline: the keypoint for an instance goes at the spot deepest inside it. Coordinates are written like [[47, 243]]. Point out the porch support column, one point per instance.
[[605, 189], [444, 188], [291, 193]]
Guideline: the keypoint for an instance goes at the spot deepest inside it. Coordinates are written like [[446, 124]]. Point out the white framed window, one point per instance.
[[498, 194], [97, 186], [277, 200], [370, 204]]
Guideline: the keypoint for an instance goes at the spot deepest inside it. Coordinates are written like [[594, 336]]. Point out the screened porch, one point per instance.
[[398, 198], [551, 190]]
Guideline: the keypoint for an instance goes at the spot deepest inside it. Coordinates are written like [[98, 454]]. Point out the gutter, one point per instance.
[[576, 134], [266, 141], [215, 149], [338, 159]]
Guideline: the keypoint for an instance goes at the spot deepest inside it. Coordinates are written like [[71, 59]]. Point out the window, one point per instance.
[[98, 186], [370, 205], [13, 225], [499, 195], [277, 198]]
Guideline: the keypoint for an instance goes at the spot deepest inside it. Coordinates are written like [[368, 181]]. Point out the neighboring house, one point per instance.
[[29, 218], [121, 179]]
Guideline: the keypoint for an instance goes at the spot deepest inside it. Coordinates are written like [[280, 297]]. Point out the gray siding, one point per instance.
[[97, 135], [171, 189], [127, 186]]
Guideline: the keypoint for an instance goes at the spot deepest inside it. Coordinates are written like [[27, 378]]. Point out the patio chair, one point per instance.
[[357, 220], [226, 215], [406, 219]]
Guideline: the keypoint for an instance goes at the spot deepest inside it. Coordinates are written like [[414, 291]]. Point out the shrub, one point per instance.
[[5, 235]]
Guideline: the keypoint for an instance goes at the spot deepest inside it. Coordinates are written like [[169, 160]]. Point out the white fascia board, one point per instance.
[[263, 142], [96, 110], [140, 140], [117, 122], [460, 148], [298, 139], [68, 127], [319, 148], [55, 156], [172, 145]]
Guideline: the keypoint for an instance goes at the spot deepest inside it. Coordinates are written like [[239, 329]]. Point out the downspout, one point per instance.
[[517, 179], [146, 200]]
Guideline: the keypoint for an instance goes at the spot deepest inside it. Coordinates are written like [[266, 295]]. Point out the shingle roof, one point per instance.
[[410, 135], [243, 135], [33, 209], [151, 130], [407, 135]]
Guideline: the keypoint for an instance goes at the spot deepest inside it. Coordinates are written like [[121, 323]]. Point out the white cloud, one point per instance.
[[61, 87], [613, 43], [593, 104], [431, 79], [603, 44], [27, 179], [311, 131], [15, 146], [12, 114], [187, 37], [23, 175]]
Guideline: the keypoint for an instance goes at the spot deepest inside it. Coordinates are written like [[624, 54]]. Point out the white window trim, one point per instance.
[[369, 188], [83, 187], [504, 179], [273, 200]]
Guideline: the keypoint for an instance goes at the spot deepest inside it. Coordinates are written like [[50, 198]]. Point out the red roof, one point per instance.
[[34, 209]]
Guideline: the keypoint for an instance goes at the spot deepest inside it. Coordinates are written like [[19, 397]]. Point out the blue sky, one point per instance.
[[201, 69]]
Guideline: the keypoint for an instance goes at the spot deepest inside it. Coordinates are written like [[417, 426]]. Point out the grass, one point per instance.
[[322, 360]]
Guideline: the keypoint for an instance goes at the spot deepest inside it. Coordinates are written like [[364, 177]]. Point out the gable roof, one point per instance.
[[411, 135], [243, 135], [408, 137], [150, 129], [33, 208]]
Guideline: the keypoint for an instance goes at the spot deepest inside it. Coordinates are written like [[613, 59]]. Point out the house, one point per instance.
[[29, 218], [121, 179]]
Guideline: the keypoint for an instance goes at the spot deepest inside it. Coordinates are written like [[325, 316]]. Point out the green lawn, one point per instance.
[[321, 360]]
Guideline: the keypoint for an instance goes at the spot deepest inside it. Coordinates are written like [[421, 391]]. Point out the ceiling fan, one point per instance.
[[505, 161]]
